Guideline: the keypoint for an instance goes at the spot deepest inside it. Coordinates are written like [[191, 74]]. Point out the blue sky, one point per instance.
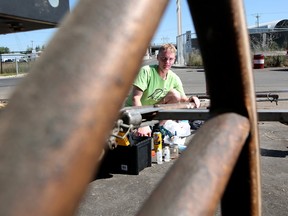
[[266, 9]]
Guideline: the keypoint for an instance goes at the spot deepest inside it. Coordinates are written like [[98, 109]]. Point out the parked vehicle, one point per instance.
[[22, 60]]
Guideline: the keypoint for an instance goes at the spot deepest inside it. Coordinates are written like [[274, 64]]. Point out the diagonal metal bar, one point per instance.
[[197, 180], [224, 45], [55, 126]]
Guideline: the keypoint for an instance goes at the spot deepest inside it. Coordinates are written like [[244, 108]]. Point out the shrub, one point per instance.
[[276, 61], [195, 59]]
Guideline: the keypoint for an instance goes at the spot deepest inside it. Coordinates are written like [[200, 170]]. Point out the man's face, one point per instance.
[[166, 60]]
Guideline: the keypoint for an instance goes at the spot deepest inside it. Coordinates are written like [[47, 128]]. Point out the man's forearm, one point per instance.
[[136, 101]]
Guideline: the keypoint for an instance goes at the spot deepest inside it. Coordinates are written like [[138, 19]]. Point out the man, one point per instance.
[[157, 84]]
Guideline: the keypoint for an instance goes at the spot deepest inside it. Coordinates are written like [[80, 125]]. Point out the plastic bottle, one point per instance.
[[166, 154], [174, 152], [159, 156]]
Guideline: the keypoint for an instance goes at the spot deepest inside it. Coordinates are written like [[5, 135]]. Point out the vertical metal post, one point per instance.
[[179, 17], [224, 44], [17, 66], [1, 64], [179, 38]]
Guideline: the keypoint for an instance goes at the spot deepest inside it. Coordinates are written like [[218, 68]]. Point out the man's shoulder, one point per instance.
[[150, 67], [173, 75]]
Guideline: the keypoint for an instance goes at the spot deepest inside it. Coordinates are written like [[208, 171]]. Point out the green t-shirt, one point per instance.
[[153, 86]]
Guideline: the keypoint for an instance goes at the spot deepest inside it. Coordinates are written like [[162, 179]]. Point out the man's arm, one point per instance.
[[195, 100], [136, 101], [136, 96]]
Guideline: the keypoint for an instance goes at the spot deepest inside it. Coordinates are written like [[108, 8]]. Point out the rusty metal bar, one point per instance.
[[203, 114], [56, 124], [224, 46], [259, 97], [196, 181], [57, 121]]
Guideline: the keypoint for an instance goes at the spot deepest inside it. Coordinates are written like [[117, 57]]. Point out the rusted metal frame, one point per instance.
[[140, 116], [204, 114], [54, 128], [196, 181], [194, 114], [268, 96], [273, 115], [222, 35]]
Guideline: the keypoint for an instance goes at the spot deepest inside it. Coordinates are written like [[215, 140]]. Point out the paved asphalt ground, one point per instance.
[[123, 195]]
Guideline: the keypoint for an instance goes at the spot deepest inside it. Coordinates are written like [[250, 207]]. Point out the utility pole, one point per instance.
[[179, 38], [257, 19], [179, 17]]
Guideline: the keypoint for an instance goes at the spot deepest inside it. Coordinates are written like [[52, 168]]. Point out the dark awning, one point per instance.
[[20, 16]]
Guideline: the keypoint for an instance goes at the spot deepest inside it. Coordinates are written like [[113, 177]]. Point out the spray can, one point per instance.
[[157, 141]]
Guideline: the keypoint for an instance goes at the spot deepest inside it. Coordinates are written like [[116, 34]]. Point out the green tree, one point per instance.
[[29, 49], [4, 50], [37, 48]]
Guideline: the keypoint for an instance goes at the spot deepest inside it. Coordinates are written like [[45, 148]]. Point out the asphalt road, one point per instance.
[[124, 194], [268, 79], [7, 85]]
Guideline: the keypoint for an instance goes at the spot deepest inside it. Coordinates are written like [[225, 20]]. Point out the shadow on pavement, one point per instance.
[[273, 153], [280, 69]]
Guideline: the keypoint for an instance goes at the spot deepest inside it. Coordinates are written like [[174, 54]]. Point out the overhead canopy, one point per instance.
[[20, 16], [282, 24]]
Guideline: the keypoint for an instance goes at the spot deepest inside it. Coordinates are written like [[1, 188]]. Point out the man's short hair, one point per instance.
[[166, 47]]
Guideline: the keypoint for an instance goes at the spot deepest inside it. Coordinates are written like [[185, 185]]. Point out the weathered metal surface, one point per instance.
[[204, 114], [55, 126], [224, 44], [259, 97], [197, 180], [20, 16]]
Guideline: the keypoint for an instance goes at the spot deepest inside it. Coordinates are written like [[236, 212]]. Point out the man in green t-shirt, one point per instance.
[[158, 84]]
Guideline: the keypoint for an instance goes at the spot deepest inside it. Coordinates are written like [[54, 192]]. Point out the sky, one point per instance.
[[266, 10]]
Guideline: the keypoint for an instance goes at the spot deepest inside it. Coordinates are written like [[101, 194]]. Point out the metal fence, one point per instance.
[[186, 43], [16, 63], [260, 40]]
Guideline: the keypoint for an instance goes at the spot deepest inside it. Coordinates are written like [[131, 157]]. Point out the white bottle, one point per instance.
[[166, 154], [159, 156]]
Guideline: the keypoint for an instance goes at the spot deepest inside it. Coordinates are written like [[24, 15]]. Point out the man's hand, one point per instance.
[[195, 100], [143, 131]]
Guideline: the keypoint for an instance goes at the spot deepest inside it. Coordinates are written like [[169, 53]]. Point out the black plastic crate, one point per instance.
[[128, 159]]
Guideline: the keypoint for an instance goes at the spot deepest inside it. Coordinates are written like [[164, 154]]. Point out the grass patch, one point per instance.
[[9, 68], [276, 61], [195, 59]]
